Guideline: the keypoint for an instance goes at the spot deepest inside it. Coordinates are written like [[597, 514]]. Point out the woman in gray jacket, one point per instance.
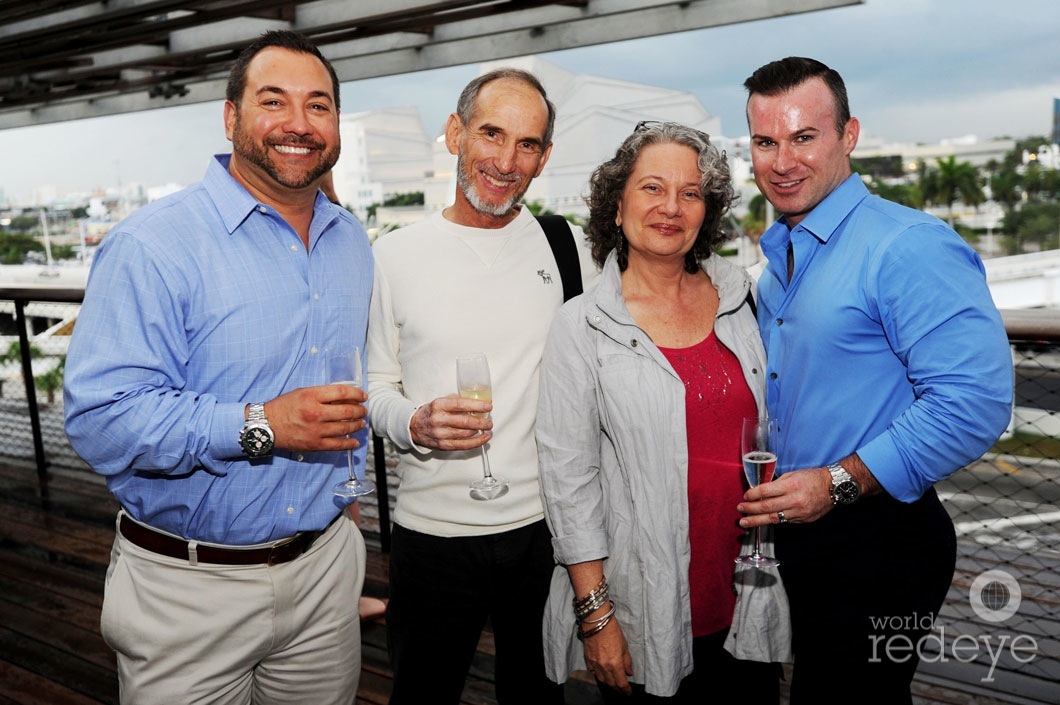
[[644, 383]]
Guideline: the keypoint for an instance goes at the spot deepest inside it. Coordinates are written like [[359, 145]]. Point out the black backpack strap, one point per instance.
[[565, 250], [751, 303]]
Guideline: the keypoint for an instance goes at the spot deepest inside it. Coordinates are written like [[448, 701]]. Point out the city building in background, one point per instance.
[[384, 152], [1056, 120]]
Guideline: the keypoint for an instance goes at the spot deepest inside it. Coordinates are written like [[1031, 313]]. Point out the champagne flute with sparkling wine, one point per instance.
[[758, 446], [344, 367], [473, 382]]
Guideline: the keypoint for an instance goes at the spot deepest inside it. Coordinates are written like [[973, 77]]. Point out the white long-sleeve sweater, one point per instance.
[[443, 290]]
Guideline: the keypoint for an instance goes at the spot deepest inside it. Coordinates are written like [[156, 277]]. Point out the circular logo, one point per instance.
[[995, 596]]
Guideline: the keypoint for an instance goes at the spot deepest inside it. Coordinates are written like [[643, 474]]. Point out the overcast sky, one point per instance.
[[916, 71]]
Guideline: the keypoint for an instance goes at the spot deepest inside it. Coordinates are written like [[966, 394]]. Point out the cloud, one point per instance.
[[916, 70], [1017, 112]]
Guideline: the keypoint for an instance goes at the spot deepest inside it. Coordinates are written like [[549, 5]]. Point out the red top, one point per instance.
[[716, 400]]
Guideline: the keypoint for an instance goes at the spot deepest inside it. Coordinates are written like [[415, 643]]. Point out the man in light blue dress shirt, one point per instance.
[[195, 384], [888, 369]]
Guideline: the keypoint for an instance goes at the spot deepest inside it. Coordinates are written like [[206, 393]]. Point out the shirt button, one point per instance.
[[780, 321], [313, 350], [596, 319], [263, 209], [633, 342], [294, 248], [316, 297], [290, 510], [772, 375]]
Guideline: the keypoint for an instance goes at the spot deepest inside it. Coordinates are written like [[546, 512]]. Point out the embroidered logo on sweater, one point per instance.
[[546, 278]]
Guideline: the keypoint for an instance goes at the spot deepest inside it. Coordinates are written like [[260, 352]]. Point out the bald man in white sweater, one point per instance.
[[478, 277]]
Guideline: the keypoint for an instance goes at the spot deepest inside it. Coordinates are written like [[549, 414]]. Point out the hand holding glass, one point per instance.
[[473, 382], [344, 367], [758, 447]]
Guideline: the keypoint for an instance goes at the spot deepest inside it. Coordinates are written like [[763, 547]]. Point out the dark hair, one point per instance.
[[284, 39], [608, 182], [465, 106], [783, 75]]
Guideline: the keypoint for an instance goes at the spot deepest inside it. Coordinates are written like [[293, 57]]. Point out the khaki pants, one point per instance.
[[236, 635]]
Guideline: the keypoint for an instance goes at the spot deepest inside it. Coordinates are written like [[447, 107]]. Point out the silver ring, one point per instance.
[[781, 519]]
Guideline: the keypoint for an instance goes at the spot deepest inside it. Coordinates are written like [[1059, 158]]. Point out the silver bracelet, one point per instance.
[[596, 629], [607, 616], [596, 599]]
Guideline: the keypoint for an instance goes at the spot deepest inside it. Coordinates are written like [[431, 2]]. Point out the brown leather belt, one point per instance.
[[282, 551]]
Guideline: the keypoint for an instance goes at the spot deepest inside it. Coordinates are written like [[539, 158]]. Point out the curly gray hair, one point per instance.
[[609, 181]]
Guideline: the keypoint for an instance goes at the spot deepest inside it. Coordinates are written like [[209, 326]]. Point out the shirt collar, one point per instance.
[[824, 220], [830, 213], [233, 202]]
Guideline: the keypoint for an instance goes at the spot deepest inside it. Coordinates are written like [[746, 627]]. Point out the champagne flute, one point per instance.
[[758, 447], [344, 367], [473, 382]]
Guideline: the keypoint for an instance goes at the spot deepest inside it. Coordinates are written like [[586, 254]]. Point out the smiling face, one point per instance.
[[662, 206], [798, 155], [285, 129], [499, 152]]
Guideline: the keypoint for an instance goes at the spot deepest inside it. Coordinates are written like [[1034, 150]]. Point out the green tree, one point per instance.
[[14, 246], [754, 223], [953, 181], [908, 194], [24, 223], [1037, 222], [1006, 188], [414, 198], [14, 352], [52, 381], [538, 208]]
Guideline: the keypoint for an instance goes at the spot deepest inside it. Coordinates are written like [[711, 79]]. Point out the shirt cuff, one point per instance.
[[885, 462], [228, 420], [579, 548]]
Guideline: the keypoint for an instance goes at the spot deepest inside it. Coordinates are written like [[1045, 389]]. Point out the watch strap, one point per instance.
[[842, 478]]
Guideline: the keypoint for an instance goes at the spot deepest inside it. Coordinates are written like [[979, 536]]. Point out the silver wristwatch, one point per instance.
[[843, 490], [256, 438]]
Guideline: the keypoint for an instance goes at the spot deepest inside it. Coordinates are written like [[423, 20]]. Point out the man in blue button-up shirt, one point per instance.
[[206, 312], [888, 369]]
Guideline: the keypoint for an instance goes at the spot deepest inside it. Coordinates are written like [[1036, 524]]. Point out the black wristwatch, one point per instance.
[[256, 437], [843, 490]]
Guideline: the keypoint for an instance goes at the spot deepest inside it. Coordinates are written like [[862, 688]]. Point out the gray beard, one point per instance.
[[498, 210]]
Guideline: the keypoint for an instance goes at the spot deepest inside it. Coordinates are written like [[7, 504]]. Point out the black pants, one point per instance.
[[717, 678], [443, 590], [864, 583]]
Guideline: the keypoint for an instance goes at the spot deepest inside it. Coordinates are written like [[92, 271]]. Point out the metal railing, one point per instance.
[[998, 635]]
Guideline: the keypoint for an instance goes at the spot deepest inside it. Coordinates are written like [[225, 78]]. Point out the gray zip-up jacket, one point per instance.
[[613, 457]]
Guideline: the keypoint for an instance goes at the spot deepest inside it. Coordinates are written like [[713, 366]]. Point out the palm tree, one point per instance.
[[52, 381], [14, 354], [953, 181]]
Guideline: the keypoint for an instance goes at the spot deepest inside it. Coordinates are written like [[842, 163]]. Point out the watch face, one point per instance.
[[256, 440], [846, 492]]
